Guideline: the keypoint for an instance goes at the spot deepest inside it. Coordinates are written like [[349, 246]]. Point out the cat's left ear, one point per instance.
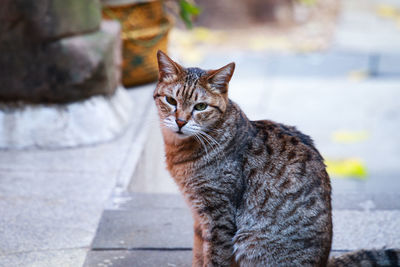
[[218, 79]]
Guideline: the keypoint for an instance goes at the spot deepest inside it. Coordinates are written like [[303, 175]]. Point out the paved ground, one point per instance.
[[51, 200], [90, 206]]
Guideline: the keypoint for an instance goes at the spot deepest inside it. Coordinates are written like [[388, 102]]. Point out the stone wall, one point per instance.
[[56, 51]]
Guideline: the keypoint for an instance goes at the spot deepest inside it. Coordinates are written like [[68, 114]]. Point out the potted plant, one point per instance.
[[145, 27]]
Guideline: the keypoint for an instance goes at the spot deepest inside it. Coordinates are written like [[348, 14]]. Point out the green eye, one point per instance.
[[170, 100], [200, 106]]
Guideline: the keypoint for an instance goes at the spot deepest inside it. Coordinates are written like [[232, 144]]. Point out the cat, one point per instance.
[[258, 190]]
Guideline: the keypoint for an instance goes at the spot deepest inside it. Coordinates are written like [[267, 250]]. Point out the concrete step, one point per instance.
[[145, 229]]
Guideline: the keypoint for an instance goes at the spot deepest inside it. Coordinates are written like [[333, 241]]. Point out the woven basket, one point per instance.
[[145, 30]]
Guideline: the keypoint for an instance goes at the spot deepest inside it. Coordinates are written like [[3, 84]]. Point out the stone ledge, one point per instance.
[[95, 120], [66, 70], [44, 20]]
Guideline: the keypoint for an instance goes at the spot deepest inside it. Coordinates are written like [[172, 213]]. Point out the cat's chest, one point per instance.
[[217, 175]]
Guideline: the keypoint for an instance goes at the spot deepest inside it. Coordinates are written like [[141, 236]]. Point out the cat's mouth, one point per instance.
[[181, 134]]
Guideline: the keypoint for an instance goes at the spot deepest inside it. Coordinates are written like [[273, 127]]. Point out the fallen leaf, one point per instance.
[[387, 11], [347, 168]]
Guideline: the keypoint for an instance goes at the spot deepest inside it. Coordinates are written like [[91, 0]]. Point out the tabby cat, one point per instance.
[[258, 190]]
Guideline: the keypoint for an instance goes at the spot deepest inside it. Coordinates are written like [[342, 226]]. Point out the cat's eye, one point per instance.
[[171, 100], [200, 106]]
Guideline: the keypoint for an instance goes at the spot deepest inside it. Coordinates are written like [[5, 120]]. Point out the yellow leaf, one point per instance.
[[386, 11], [349, 137], [347, 168]]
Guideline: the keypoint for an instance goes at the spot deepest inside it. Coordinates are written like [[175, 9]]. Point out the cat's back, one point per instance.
[[287, 198], [282, 155], [285, 138]]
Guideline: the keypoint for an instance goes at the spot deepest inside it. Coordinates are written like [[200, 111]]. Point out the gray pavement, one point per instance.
[[114, 204], [156, 230], [51, 200]]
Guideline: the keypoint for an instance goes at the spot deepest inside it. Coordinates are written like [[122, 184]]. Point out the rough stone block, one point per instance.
[[65, 70], [42, 20]]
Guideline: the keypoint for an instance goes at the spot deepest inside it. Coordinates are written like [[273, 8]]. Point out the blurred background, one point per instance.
[[82, 173], [328, 67]]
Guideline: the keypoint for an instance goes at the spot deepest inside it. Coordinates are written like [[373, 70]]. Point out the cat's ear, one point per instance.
[[168, 69], [218, 79]]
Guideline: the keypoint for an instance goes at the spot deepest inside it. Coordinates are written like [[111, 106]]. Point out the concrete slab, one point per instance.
[[44, 211], [359, 229], [157, 221], [139, 258], [61, 258], [151, 223]]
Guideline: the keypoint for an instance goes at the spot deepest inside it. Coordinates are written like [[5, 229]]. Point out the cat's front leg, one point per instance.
[[197, 260], [218, 245]]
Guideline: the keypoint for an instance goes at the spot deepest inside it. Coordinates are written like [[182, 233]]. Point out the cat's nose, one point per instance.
[[180, 123]]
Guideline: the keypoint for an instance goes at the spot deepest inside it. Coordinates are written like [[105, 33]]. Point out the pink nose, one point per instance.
[[180, 123]]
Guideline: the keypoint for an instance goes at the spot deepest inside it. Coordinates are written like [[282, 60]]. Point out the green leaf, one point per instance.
[[187, 12]]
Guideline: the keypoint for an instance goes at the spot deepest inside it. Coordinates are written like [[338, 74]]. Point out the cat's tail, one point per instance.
[[380, 257]]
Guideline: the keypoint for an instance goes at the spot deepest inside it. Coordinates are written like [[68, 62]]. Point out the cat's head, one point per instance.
[[190, 100]]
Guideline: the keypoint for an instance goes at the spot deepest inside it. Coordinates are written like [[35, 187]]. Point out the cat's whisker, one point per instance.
[[213, 144], [211, 140], [198, 137]]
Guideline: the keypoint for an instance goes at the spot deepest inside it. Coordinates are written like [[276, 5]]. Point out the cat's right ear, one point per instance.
[[167, 68]]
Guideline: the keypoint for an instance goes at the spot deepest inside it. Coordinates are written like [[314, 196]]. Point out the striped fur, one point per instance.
[[258, 190], [382, 257]]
